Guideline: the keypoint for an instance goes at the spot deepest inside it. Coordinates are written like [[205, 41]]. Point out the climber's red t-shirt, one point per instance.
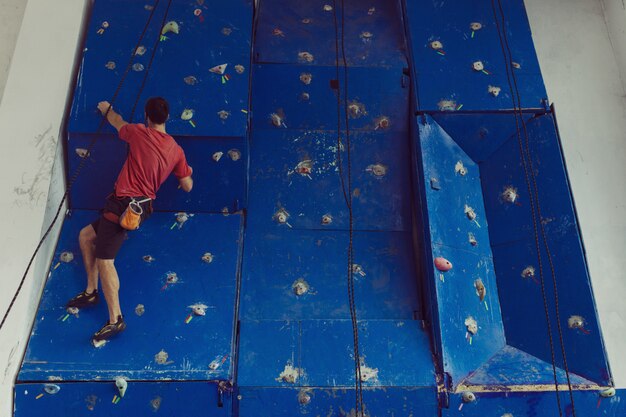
[[152, 157]]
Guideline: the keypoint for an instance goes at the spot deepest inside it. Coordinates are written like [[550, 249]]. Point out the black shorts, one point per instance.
[[110, 235]]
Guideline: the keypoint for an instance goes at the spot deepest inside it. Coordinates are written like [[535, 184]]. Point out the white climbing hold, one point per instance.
[[219, 69], [170, 26]]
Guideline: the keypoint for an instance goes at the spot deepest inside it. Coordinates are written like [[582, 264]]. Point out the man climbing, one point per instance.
[[152, 156]]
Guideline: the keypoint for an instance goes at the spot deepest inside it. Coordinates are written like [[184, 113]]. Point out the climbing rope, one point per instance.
[[80, 167], [346, 188], [538, 227]]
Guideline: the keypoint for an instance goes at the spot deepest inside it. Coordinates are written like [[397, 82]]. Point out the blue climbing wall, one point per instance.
[[296, 348], [164, 340], [207, 36], [262, 243]]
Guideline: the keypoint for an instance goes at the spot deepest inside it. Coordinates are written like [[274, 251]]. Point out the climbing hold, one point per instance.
[[234, 154], [470, 214], [378, 170], [141, 50], [239, 69], [468, 397], [148, 258], [509, 195], [327, 219], [356, 110], [371, 11], [494, 91], [366, 36], [471, 325], [460, 169], [278, 32], [81, 152], [516, 65], [226, 31], [481, 291], [155, 403], [476, 26], [358, 270], [72, 310], [161, 358], [577, 323], [382, 123], [434, 184], [66, 257], [478, 66], [300, 287], [277, 120], [305, 57], [217, 362], [528, 272], [447, 105], [138, 67], [281, 216], [303, 397], [306, 21], [105, 24], [223, 114], [170, 26], [207, 257], [140, 309], [304, 168], [328, 8], [171, 278], [197, 12], [225, 212], [305, 96], [306, 78], [436, 45], [187, 114], [190, 80], [182, 217], [121, 385], [51, 388], [608, 393], [217, 156], [110, 65], [198, 309], [442, 264], [98, 343], [290, 374], [368, 373], [472, 239], [219, 69]]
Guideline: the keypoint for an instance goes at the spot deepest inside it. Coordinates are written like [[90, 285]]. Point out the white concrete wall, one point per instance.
[[31, 113], [11, 14], [615, 15], [583, 80]]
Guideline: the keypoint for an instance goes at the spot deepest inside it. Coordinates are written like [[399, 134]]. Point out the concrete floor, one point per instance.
[[581, 65]]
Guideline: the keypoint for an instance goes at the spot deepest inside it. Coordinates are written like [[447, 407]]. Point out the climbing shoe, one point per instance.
[[84, 299], [109, 330]]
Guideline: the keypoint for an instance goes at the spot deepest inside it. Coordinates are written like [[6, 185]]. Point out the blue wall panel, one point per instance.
[[451, 183], [201, 44], [379, 202], [538, 404], [445, 73], [95, 399], [373, 32], [60, 345], [479, 134], [393, 353], [217, 184], [277, 89], [285, 402], [275, 260]]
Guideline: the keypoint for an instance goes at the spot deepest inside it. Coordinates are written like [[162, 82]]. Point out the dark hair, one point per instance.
[[157, 110]]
